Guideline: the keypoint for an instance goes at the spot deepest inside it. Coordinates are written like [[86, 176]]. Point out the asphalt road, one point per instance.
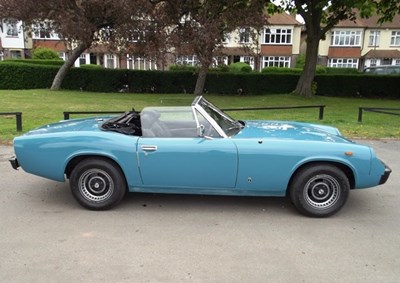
[[45, 236]]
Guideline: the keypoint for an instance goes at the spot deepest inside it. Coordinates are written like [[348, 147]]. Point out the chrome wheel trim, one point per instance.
[[322, 191], [96, 185]]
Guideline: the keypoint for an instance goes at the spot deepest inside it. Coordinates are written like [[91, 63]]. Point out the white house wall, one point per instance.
[[12, 42]]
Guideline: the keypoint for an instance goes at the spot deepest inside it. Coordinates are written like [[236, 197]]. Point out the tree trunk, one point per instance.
[[62, 72], [305, 84], [201, 79]]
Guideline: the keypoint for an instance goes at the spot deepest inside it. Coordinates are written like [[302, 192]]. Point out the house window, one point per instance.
[[15, 54], [244, 35], [373, 62], [397, 62], [277, 36], [220, 60], [111, 61], [346, 38], [248, 60], [343, 63], [43, 30], [62, 55], [190, 60], [386, 61], [11, 27], [82, 59], [374, 38], [276, 61], [395, 39], [106, 33], [138, 36], [226, 38], [140, 63]]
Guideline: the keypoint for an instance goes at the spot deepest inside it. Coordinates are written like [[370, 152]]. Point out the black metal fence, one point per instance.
[[320, 115], [321, 108], [18, 118], [388, 111], [68, 113]]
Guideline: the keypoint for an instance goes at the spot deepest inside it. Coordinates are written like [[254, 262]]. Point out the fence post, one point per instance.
[[360, 110], [321, 112], [18, 118]]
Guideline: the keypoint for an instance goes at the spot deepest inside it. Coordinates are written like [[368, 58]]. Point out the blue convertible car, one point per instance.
[[199, 149]]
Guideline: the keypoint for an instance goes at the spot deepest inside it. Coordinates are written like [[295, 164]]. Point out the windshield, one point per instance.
[[229, 125]]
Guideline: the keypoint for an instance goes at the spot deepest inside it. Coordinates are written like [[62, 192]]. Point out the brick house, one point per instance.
[[361, 43]]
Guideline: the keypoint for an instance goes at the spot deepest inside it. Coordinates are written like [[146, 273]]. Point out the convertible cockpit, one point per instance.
[[201, 119]]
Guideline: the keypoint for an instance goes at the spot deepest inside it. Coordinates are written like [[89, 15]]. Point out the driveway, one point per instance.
[[46, 236]]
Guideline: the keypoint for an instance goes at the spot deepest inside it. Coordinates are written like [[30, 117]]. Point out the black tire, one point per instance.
[[97, 184], [319, 190]]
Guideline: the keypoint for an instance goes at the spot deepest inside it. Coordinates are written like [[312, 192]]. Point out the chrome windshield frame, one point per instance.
[[196, 106]]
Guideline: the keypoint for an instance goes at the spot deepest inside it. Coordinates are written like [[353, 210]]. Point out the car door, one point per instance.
[[188, 162]]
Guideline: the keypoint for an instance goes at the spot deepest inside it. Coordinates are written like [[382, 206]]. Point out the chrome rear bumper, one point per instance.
[[14, 163]]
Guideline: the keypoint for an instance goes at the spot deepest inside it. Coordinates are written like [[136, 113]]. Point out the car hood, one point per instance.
[[86, 124], [290, 130]]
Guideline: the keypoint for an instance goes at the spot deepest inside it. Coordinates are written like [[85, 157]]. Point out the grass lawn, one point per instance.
[[40, 107]]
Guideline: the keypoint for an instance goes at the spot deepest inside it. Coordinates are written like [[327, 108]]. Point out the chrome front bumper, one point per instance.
[[385, 175]]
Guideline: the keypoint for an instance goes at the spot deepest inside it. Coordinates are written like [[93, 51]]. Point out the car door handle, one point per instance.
[[149, 147]]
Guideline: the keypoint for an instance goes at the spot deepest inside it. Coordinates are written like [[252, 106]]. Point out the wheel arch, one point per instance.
[[77, 159], [347, 170]]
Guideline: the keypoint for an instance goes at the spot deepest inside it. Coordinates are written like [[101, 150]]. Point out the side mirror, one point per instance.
[[200, 131]]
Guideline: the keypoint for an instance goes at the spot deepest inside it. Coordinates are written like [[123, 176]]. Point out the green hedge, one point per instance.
[[377, 86], [26, 76], [54, 62], [29, 76]]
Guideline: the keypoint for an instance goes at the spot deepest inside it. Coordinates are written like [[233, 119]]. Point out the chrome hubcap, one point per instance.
[[96, 185], [322, 191]]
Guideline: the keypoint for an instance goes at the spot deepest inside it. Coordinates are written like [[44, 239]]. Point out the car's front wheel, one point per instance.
[[319, 190], [97, 183]]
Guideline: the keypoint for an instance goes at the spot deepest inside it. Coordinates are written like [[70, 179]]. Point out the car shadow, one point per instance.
[[207, 203]]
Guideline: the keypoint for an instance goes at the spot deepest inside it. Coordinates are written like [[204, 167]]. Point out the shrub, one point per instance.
[[278, 70], [301, 61], [183, 68], [44, 53], [240, 67], [220, 68], [91, 66]]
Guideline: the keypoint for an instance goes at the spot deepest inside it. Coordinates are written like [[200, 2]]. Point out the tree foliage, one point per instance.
[[199, 27], [319, 17], [387, 9], [81, 23]]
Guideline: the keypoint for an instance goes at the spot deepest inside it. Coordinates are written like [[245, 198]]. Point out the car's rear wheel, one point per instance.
[[319, 190], [97, 183]]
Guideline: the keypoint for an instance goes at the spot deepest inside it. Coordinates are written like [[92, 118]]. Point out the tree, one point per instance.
[[81, 23], [387, 9], [200, 26], [319, 17]]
